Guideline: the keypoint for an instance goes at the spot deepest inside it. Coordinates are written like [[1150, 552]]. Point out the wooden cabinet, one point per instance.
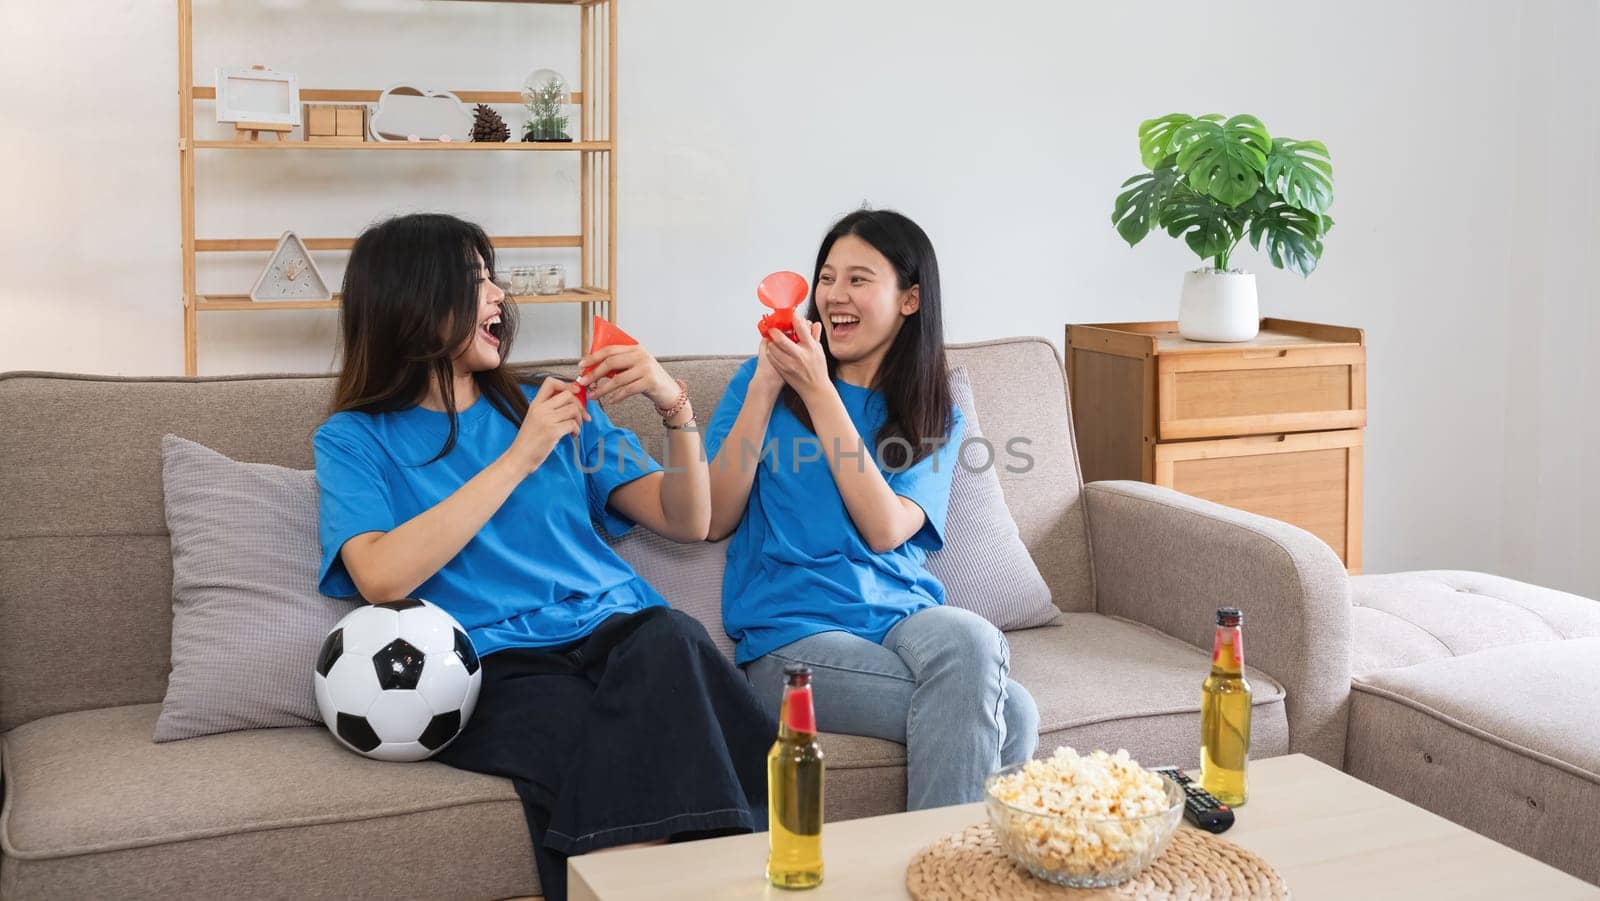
[[1273, 425]]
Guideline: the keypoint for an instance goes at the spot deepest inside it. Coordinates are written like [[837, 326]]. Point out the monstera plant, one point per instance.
[[1216, 181]]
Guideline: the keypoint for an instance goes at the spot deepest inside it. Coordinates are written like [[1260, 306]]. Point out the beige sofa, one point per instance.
[[94, 809]]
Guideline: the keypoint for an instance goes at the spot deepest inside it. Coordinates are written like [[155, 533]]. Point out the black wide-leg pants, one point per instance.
[[639, 732]]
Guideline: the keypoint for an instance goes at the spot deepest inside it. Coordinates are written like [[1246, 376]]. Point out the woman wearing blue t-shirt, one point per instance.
[[832, 459], [444, 477]]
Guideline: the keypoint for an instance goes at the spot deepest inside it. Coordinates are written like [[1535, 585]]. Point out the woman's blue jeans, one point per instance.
[[938, 684]]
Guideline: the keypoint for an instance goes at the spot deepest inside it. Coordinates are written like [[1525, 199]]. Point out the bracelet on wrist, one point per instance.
[[677, 405]]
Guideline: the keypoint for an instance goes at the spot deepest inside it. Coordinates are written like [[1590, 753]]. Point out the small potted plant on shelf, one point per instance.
[[545, 93], [1215, 182]]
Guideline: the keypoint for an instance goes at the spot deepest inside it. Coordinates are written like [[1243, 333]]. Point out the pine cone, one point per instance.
[[488, 126]]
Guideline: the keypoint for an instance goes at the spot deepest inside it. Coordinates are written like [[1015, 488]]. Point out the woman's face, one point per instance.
[[859, 300], [482, 349]]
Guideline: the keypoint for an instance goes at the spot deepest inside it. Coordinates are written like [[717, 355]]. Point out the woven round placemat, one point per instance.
[[971, 866]]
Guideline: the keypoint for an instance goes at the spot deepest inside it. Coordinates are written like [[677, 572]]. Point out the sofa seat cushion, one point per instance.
[[1516, 724], [271, 812], [1404, 618], [1106, 682]]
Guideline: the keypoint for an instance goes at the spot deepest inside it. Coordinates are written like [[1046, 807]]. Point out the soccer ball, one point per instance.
[[397, 681]]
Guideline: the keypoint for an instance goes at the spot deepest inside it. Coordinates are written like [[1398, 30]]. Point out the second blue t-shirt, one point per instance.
[[797, 565]]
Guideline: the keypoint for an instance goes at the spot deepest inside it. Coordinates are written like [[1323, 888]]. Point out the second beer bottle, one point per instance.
[[1225, 714], [794, 788]]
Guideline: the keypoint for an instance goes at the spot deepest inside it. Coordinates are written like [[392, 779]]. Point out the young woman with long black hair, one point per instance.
[[832, 461], [443, 476]]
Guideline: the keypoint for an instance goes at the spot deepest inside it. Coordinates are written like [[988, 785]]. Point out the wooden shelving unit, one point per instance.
[[595, 144]]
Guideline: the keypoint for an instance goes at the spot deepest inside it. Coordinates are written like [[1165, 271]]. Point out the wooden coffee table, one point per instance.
[[1329, 835]]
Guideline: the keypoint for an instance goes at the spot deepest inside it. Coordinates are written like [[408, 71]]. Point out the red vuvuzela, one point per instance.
[[605, 335], [781, 292]]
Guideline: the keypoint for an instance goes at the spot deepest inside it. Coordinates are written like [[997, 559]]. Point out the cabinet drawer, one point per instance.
[[1260, 391], [1310, 480]]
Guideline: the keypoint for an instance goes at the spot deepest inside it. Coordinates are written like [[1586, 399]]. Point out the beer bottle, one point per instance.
[[1225, 714], [794, 788]]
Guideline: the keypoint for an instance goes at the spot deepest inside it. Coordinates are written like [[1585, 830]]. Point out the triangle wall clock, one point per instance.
[[290, 274]]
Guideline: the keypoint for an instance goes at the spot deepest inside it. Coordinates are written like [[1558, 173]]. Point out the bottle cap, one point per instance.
[[797, 674], [1229, 616]]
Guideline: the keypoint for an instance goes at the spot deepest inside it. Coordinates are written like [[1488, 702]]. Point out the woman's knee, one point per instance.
[[954, 633], [669, 621], [673, 632]]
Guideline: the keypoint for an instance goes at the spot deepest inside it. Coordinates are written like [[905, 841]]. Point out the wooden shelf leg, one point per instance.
[[186, 181], [611, 158], [191, 337]]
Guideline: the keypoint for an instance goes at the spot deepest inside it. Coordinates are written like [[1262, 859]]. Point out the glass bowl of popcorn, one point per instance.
[[1086, 821]]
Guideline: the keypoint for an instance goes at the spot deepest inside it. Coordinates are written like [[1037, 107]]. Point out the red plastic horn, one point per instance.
[[781, 292], [605, 335]]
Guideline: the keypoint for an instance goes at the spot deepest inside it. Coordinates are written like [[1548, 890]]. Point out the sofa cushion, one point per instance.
[[1535, 699], [247, 617], [1400, 619], [93, 808], [983, 564], [1515, 723], [1108, 683]]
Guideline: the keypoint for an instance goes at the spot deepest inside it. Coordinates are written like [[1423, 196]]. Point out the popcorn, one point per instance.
[[1083, 812]]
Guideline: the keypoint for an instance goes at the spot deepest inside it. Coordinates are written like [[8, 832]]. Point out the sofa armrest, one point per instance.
[[1170, 560]]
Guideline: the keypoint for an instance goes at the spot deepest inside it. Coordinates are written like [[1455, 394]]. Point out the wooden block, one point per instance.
[[320, 119], [351, 121]]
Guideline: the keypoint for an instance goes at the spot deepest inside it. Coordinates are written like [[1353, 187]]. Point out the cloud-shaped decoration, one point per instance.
[[407, 113]]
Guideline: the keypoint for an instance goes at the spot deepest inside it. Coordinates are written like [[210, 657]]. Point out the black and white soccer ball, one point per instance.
[[397, 681]]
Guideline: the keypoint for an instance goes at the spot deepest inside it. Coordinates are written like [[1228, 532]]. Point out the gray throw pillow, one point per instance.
[[984, 565], [247, 618]]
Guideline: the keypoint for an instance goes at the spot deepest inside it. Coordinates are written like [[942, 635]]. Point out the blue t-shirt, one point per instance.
[[537, 574], [797, 565]]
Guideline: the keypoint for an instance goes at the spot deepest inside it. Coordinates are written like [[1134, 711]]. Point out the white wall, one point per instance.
[[1551, 493], [1460, 133]]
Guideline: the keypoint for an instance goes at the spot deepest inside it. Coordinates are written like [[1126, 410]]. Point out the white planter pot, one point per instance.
[[1219, 306]]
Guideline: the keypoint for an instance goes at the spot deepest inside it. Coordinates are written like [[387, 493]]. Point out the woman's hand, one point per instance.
[[765, 384], [623, 370], [554, 413], [801, 364]]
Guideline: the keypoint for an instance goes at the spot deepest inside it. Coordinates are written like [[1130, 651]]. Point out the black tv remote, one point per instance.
[[1199, 806]]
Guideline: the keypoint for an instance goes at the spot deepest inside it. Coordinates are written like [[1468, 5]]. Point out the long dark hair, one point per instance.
[[913, 378], [410, 300]]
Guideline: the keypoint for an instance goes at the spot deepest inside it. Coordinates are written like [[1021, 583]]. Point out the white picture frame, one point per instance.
[[258, 95]]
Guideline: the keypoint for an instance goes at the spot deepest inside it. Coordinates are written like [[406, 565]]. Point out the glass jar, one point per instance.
[[549, 279], [523, 281]]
